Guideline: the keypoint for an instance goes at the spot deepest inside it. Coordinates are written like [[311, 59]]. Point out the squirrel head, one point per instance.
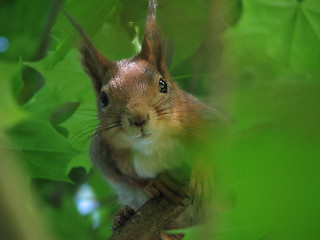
[[138, 102]]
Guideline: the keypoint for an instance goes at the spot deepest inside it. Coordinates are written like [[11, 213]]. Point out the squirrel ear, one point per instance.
[[153, 46], [94, 63]]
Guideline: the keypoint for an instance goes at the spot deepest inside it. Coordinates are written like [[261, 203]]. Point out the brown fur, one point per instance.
[[128, 161]]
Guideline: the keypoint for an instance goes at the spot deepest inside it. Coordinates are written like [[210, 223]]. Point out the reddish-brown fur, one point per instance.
[[131, 155]]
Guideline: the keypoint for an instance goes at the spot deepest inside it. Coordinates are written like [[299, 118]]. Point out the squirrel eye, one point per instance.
[[104, 100], [163, 87]]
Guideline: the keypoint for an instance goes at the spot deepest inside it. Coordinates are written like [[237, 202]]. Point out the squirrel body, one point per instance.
[[130, 156], [145, 120]]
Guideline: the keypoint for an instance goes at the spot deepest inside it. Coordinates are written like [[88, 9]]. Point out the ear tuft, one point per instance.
[[153, 47], [94, 63]]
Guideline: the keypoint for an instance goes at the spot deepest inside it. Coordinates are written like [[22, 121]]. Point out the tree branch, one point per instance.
[[149, 220]]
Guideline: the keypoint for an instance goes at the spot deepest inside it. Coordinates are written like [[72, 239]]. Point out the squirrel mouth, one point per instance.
[[143, 135]]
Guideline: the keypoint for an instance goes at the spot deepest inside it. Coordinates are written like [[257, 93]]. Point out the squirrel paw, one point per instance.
[[121, 217], [170, 185]]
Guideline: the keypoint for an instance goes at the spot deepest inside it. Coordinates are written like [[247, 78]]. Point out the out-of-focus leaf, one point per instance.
[[90, 17], [47, 152], [23, 25], [194, 232], [185, 23], [80, 227], [43, 149], [65, 83], [11, 113], [114, 41], [276, 36], [272, 165]]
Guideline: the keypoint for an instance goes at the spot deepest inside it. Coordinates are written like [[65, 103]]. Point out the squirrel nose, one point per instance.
[[139, 120]]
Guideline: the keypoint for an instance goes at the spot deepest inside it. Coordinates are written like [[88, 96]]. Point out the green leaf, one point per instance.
[[185, 23], [10, 112], [80, 160], [90, 17], [271, 167], [42, 147], [66, 83], [276, 35], [40, 137], [114, 41], [24, 26], [80, 227], [194, 232]]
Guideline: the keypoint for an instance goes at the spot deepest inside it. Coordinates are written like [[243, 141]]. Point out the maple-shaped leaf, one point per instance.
[[10, 111], [278, 36], [45, 143]]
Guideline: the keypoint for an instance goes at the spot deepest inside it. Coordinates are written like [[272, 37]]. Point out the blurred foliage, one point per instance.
[[263, 71]]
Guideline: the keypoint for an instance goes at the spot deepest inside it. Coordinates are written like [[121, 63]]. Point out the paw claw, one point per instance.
[[120, 218], [165, 186]]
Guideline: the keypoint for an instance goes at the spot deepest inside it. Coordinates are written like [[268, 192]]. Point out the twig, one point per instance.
[[149, 220]]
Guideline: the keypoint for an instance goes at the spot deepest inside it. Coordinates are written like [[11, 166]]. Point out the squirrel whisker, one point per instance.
[[96, 133], [160, 101], [76, 137], [77, 140], [107, 127], [117, 129], [171, 98]]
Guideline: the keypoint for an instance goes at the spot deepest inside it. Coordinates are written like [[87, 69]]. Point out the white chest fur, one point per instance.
[[149, 159], [152, 158]]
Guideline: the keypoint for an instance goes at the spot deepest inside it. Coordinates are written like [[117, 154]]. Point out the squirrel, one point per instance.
[[144, 117]]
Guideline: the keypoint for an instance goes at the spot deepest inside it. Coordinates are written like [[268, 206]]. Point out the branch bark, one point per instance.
[[149, 220]]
